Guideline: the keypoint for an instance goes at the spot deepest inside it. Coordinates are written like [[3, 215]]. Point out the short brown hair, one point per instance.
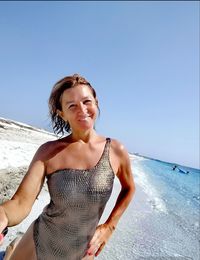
[[59, 125]]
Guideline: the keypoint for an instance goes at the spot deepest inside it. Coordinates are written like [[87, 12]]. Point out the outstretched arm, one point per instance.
[[104, 231], [13, 211]]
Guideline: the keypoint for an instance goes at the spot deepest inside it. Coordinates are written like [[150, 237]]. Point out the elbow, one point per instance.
[[129, 191], [133, 188], [132, 192]]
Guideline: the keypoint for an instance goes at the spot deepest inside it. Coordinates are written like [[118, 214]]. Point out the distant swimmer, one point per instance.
[[174, 167], [180, 170]]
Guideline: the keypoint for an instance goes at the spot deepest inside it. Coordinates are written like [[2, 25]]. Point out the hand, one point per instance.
[[100, 238], [3, 224]]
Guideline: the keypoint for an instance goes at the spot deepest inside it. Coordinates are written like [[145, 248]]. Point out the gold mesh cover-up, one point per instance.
[[78, 198]]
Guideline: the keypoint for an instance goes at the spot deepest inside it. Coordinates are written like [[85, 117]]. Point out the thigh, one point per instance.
[[25, 249]]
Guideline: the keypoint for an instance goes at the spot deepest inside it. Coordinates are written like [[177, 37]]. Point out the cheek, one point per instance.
[[95, 110], [96, 114], [65, 115]]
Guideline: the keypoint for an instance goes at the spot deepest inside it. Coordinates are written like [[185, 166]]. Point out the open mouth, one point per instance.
[[84, 118]]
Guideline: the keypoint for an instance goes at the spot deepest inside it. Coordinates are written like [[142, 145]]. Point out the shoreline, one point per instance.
[[145, 231]]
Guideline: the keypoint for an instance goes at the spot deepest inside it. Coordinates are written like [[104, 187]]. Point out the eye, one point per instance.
[[71, 106], [87, 101]]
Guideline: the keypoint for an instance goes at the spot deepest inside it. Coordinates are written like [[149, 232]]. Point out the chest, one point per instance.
[[75, 158], [74, 186]]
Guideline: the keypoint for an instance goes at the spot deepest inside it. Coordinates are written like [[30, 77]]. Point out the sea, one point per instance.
[[163, 220]]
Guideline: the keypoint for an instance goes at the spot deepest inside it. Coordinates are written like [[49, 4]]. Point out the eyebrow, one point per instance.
[[71, 101]]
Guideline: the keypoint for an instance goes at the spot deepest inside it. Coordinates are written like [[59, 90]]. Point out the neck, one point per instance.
[[85, 137]]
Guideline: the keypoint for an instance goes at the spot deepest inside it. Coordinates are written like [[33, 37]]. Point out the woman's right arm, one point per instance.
[[13, 211]]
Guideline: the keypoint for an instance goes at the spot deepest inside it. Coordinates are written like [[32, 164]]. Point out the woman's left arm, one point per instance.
[[104, 231]]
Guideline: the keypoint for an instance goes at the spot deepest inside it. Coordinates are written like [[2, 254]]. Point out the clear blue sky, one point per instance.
[[141, 57]]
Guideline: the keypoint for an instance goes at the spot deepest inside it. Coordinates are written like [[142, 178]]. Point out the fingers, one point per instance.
[[93, 248], [96, 236], [2, 227], [1, 239], [99, 240], [2, 234], [3, 219], [3, 224], [100, 249], [94, 243]]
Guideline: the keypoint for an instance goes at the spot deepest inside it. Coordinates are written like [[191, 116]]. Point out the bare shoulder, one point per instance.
[[119, 149], [119, 157], [49, 145], [121, 160], [46, 150]]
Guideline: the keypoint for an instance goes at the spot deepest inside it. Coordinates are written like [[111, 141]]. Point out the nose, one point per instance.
[[82, 108]]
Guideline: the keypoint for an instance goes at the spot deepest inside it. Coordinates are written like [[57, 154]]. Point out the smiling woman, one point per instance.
[[78, 110], [80, 169], [60, 125]]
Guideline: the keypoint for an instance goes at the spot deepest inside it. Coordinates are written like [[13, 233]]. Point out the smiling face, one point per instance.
[[79, 108]]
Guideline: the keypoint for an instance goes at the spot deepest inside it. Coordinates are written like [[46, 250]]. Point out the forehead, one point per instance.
[[77, 93]]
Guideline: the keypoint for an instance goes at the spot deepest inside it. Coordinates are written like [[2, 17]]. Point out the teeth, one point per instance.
[[84, 118]]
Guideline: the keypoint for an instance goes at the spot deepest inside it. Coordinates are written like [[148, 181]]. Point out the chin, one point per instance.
[[84, 127], [87, 128]]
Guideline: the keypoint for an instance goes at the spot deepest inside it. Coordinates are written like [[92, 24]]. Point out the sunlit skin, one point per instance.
[[79, 108], [81, 149]]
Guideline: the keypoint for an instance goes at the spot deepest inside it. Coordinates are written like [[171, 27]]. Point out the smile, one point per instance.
[[84, 118]]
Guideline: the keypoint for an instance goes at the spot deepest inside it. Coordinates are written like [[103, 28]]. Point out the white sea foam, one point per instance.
[[142, 180]]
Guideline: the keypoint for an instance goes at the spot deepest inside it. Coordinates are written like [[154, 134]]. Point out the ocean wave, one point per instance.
[[155, 201]]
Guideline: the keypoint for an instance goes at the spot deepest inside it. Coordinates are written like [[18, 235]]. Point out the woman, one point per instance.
[[80, 170]]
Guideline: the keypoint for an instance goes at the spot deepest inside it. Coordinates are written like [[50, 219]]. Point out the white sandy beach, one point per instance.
[[146, 229], [18, 143]]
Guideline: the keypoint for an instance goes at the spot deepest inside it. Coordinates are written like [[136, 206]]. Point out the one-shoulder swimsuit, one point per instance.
[[69, 221]]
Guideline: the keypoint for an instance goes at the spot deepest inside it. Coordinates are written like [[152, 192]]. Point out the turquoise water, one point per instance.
[[180, 192], [162, 221], [175, 197]]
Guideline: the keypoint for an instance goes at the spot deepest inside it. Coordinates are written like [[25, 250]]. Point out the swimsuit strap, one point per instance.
[[105, 155]]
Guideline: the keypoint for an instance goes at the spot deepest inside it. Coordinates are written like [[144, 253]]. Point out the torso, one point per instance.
[[64, 154], [78, 198]]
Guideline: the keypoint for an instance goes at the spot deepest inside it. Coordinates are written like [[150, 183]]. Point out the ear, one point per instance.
[[60, 113]]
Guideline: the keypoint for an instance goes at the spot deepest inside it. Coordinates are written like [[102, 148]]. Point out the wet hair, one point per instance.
[[59, 125]]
